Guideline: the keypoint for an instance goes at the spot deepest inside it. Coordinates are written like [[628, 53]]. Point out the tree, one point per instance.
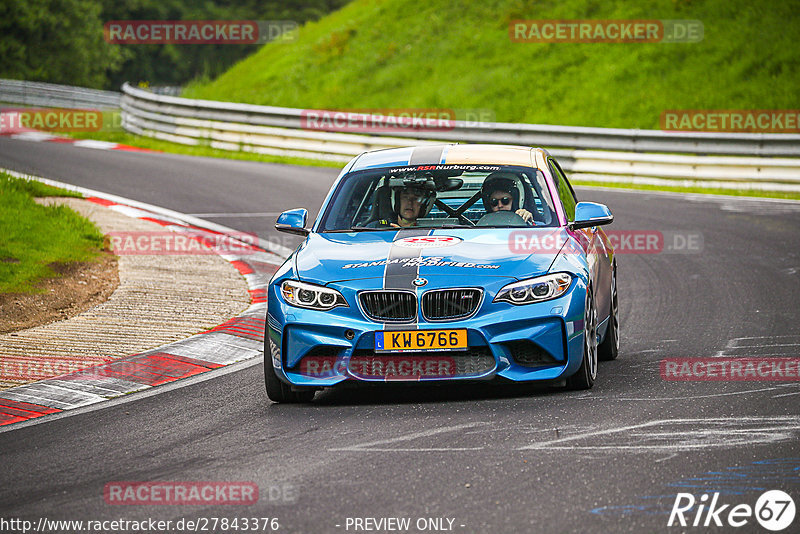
[[61, 41], [58, 41]]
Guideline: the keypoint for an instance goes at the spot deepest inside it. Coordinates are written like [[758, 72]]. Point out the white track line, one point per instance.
[[726, 424], [236, 215], [368, 447]]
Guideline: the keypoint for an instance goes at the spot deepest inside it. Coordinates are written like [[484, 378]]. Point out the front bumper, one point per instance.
[[542, 341]]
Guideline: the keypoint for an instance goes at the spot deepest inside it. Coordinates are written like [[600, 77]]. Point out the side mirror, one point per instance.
[[591, 214], [293, 222]]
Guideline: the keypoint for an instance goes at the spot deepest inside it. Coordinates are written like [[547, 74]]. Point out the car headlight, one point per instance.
[[311, 296], [535, 289]]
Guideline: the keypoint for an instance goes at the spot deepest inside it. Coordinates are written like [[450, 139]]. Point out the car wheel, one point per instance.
[[584, 378], [278, 391], [609, 348]]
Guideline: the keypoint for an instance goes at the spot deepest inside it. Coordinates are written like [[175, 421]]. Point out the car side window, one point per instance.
[[565, 192]]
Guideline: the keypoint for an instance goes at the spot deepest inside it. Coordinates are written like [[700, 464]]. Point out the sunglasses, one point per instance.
[[504, 201]]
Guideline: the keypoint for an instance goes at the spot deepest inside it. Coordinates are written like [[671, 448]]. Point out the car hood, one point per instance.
[[476, 252]]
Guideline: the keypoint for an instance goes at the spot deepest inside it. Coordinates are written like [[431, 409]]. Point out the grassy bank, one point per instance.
[[441, 54], [35, 237]]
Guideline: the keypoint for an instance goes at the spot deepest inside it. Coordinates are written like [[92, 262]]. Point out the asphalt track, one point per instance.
[[522, 459]]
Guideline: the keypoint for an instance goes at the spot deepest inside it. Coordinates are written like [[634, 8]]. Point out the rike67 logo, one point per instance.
[[774, 510]]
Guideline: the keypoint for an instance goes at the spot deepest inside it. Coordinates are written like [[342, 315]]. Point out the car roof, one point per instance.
[[451, 154]]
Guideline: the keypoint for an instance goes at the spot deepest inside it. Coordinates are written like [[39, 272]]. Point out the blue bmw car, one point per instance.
[[439, 264]]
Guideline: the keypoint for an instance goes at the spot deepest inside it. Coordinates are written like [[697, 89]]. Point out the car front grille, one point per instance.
[[389, 305], [450, 304]]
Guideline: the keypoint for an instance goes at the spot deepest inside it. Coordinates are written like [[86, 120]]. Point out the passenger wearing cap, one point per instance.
[[500, 193]]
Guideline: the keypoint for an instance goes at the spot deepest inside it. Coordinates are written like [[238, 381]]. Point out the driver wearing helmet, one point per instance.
[[500, 193], [409, 203]]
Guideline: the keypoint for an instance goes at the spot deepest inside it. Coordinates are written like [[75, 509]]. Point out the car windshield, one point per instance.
[[440, 196]]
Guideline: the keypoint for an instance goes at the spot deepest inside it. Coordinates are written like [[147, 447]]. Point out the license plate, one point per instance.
[[420, 340]]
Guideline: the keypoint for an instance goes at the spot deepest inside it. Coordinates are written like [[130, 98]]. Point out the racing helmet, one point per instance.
[[500, 181], [426, 198], [421, 184]]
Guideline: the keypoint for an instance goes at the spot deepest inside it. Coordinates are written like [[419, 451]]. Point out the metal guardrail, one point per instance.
[[491, 132], [733, 160], [56, 96]]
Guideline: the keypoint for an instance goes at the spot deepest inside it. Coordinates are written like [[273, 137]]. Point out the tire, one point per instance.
[[587, 373], [278, 391], [609, 348]]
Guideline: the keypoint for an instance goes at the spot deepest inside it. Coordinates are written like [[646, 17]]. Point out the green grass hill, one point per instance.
[[458, 55]]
